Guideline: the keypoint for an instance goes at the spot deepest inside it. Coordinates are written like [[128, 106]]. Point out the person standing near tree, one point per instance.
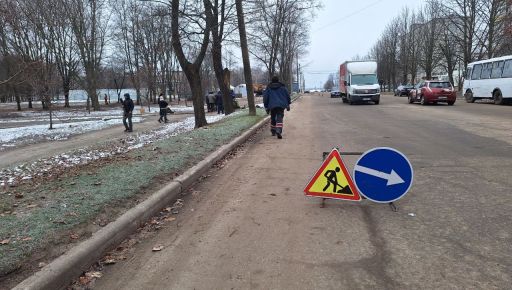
[[219, 102], [128, 107], [211, 102], [163, 109], [276, 98]]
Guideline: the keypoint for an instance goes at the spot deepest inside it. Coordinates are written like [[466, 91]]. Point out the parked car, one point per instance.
[[403, 90], [433, 91], [335, 94]]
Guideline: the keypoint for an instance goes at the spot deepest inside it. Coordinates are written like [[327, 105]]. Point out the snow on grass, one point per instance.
[[67, 123], [45, 166], [59, 131]]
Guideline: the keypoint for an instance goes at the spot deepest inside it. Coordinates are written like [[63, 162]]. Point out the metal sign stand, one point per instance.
[[392, 205]]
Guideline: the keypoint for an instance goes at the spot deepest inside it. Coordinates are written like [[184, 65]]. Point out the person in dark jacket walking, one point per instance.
[[127, 112], [276, 98], [163, 109]]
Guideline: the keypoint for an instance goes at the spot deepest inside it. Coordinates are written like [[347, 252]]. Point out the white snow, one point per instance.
[[45, 166], [67, 123]]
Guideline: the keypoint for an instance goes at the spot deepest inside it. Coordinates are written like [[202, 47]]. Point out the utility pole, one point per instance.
[[298, 74]]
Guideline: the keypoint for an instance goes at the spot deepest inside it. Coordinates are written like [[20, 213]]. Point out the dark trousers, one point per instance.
[[276, 120], [220, 109], [163, 115], [128, 125]]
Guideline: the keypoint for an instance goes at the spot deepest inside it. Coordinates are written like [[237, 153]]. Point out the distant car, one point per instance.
[[335, 94], [403, 90], [434, 91]]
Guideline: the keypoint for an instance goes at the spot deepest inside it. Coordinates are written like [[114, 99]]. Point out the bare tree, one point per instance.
[[89, 23], [279, 30], [192, 70], [428, 37], [217, 15], [245, 57], [492, 36], [329, 84], [464, 24]]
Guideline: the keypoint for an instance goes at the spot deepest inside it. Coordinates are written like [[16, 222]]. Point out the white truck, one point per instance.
[[359, 82]]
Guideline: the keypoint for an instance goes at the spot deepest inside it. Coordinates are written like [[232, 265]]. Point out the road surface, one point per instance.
[[249, 225]]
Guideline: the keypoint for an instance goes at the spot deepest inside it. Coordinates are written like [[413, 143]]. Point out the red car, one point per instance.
[[433, 92]]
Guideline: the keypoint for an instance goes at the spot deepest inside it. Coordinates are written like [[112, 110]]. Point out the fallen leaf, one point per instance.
[[26, 239], [94, 274], [74, 236], [167, 209], [41, 264], [154, 222], [97, 183], [158, 248], [5, 242], [109, 261], [84, 280], [31, 205], [170, 219], [18, 195]]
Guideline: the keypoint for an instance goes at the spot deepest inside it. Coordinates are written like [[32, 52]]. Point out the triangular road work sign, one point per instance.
[[332, 180]]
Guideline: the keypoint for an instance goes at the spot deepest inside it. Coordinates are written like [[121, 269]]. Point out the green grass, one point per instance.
[[73, 200]]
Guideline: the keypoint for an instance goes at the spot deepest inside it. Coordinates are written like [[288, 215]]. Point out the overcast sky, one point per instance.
[[343, 29]]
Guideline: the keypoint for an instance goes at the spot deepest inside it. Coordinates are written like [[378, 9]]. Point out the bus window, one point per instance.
[[467, 75], [497, 69], [477, 70], [486, 71], [507, 69]]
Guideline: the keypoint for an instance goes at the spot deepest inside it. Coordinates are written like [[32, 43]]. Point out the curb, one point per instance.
[[67, 267]]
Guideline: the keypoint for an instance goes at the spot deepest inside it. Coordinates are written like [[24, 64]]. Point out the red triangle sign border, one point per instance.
[[334, 154]]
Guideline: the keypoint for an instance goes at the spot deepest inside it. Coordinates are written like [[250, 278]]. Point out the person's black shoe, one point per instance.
[[159, 121], [279, 136]]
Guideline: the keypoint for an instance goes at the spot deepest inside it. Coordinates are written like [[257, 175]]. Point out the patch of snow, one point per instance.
[[45, 166], [59, 131]]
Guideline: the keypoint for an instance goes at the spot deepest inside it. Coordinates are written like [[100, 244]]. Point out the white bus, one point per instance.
[[489, 79]]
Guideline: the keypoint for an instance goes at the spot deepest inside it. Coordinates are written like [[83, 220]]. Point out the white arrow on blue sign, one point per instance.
[[383, 174]]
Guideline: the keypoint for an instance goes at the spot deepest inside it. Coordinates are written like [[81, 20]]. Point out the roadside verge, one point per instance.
[[59, 273]]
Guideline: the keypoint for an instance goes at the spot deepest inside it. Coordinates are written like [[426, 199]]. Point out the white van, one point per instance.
[[489, 79], [359, 83]]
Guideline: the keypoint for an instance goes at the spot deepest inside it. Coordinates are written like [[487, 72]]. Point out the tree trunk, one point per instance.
[[66, 87], [194, 78], [219, 75], [191, 70], [30, 103], [18, 101]]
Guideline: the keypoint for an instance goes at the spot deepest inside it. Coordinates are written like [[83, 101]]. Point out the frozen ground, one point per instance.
[[35, 126], [47, 166]]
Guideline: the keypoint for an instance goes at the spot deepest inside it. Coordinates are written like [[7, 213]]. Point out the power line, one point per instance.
[[350, 15]]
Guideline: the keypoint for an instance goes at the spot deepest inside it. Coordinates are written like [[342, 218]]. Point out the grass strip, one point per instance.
[[70, 201]]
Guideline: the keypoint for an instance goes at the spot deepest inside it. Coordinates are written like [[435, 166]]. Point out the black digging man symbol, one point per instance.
[[332, 179]]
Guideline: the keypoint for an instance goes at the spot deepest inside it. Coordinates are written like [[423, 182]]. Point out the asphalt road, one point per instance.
[[249, 225]]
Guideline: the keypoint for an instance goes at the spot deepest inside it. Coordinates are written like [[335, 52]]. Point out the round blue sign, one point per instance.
[[383, 175]]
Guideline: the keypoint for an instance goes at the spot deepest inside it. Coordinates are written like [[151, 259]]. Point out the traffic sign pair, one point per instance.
[[381, 175]]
